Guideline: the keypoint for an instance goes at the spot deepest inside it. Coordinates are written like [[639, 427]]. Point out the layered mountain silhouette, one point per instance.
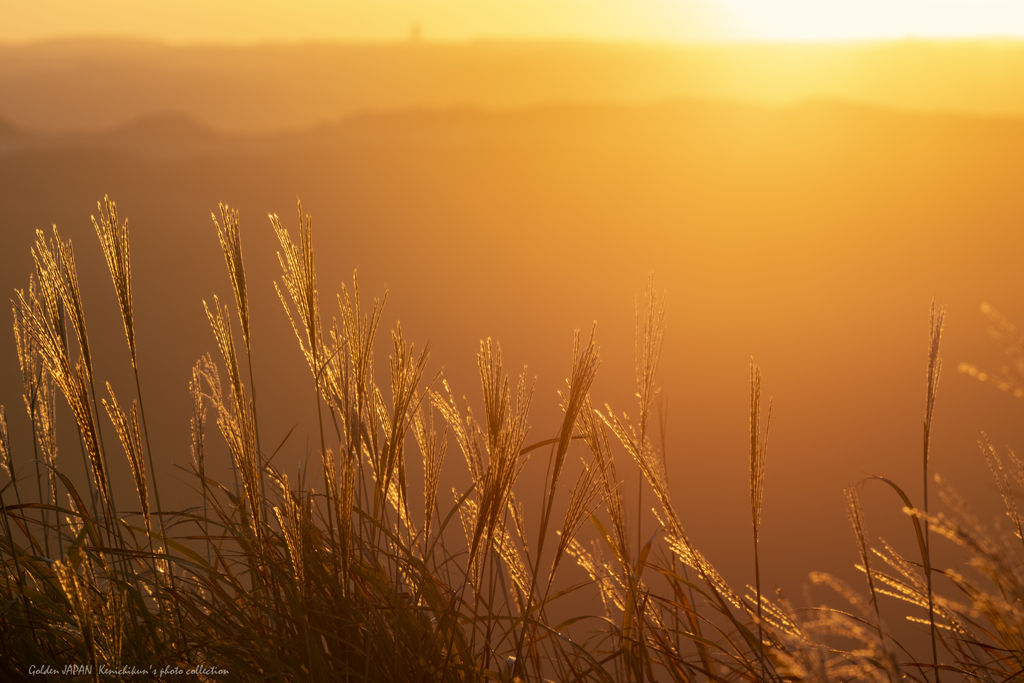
[[76, 85], [817, 127]]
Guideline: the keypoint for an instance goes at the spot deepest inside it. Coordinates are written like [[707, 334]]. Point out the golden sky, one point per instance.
[[643, 20]]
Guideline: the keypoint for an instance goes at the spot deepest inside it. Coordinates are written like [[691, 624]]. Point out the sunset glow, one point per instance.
[[699, 21], [595, 251], [825, 20]]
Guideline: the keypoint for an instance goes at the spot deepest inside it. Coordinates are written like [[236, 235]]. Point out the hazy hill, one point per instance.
[[812, 237], [91, 85]]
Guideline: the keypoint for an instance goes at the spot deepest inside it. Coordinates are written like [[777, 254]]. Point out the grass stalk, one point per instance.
[[937, 319]]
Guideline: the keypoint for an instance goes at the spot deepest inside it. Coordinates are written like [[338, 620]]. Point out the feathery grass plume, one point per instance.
[[1011, 377], [291, 524], [649, 338], [114, 242], [5, 446], [633, 436], [406, 374], [464, 430], [810, 653], [360, 328], [518, 570], [856, 516], [937, 318], [44, 420], [758, 448], [595, 435], [298, 273], [349, 368], [28, 352], [43, 320], [331, 476], [910, 586], [37, 388], [1003, 483], [343, 490], [503, 435], [299, 278], [81, 609], [506, 432], [758, 456], [220, 323], [127, 427], [996, 556], [395, 486], [581, 505], [433, 457], [111, 627], [230, 238], [231, 244], [40, 323], [610, 587], [349, 373], [614, 585], [55, 262], [198, 423], [581, 378], [90, 430], [509, 554], [468, 517], [650, 331], [650, 465], [234, 419], [113, 238]]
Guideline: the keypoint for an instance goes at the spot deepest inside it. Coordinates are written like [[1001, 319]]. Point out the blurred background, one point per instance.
[[801, 178]]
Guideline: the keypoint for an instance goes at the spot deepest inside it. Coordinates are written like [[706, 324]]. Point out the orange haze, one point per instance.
[[801, 204]]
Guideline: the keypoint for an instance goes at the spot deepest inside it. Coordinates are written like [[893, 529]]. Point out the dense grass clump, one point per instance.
[[265, 578]]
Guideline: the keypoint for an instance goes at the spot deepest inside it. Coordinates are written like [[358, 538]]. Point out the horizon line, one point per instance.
[[867, 41]]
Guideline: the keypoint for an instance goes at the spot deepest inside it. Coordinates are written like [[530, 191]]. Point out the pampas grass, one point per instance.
[[758, 458], [268, 579]]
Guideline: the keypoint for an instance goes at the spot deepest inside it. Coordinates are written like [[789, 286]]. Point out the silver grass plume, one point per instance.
[[127, 427], [290, 520], [936, 321], [5, 446], [433, 456], [235, 418], [42, 316], [856, 516], [231, 244], [758, 448], [55, 263], [299, 278], [113, 237], [758, 456], [406, 374], [582, 502], [1011, 377], [28, 352]]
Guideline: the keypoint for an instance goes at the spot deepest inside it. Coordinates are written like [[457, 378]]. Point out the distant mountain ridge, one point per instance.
[[175, 136], [99, 84]]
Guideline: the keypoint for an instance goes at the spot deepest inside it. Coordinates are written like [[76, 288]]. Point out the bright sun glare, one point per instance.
[[824, 20]]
